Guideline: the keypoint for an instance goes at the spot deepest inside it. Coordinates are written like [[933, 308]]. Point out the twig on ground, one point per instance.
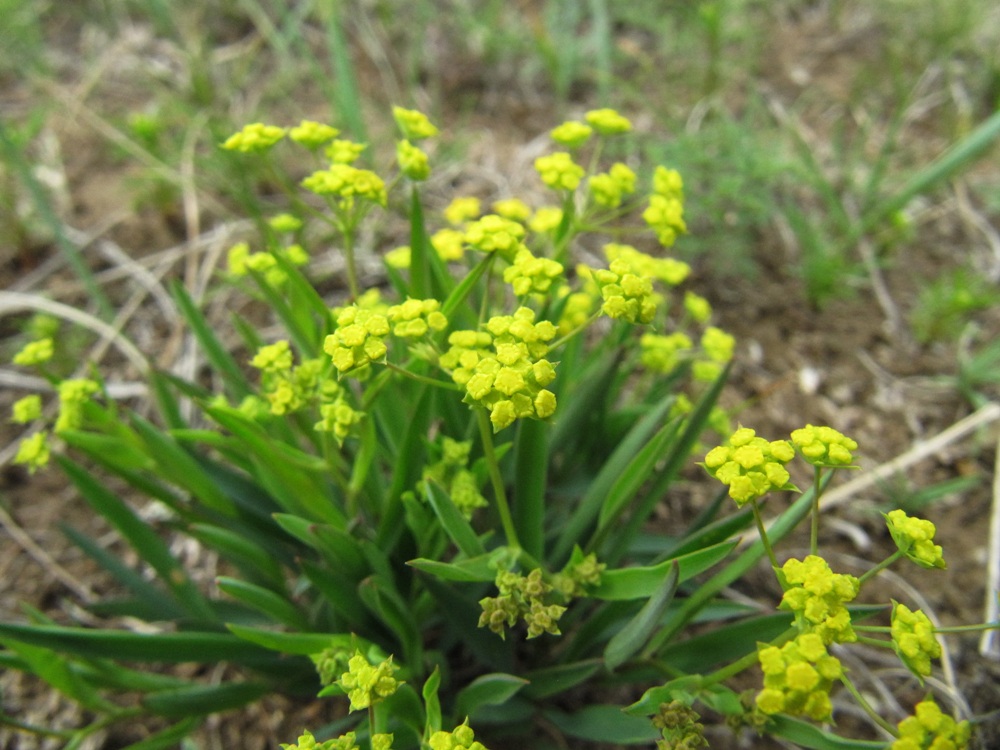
[[989, 645]]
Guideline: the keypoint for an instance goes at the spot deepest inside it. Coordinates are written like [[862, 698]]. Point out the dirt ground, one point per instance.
[[853, 365]]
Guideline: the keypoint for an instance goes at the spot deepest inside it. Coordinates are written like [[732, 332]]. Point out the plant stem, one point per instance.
[[763, 533], [576, 331], [423, 378], [506, 520], [878, 568], [352, 268], [814, 526], [867, 707]]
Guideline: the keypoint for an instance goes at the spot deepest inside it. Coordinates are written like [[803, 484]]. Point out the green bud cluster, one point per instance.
[[35, 353], [680, 726], [460, 738], [521, 598], [452, 473]]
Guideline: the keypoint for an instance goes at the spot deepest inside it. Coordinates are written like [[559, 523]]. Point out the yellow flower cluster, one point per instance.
[[816, 595], [413, 161], [546, 219], [608, 121], [33, 451], [798, 677], [308, 742], [697, 307], [460, 738], [665, 213], [670, 271], [717, 346], [449, 244], [531, 275], [312, 134], [254, 138], [35, 353], [514, 209], [662, 353], [414, 124], [915, 538], [582, 572], [559, 171], [493, 233], [346, 182], [462, 209], [26, 409], [366, 683], [750, 466], [416, 317], [931, 729], [609, 188], [510, 380], [338, 417], [521, 597], [241, 262], [628, 295], [571, 134], [824, 446], [358, 339], [452, 473], [344, 152], [73, 395], [285, 223], [913, 639]]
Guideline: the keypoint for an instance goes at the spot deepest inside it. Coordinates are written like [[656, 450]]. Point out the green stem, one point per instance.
[[352, 268], [744, 662], [423, 378], [881, 566], [506, 520], [371, 725], [763, 534], [866, 706], [575, 332], [978, 628], [814, 525], [876, 642]]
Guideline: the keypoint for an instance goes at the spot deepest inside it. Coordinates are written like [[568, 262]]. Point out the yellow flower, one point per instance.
[[285, 223], [531, 275], [493, 233], [413, 161], [415, 318], [312, 134], [254, 138], [366, 683], [798, 677], [915, 539], [571, 134], [461, 210], [931, 729], [449, 244], [559, 171], [751, 466], [608, 121], [512, 208], [414, 124], [824, 446], [817, 595], [358, 339], [35, 353], [546, 219], [913, 639], [27, 409], [33, 451], [344, 152]]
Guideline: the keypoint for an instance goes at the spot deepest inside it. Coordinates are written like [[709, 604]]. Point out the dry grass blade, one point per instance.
[[990, 644]]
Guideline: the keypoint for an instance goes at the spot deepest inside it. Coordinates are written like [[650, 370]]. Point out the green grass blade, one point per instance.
[[641, 582], [488, 690], [265, 601], [344, 86], [531, 462], [169, 738], [453, 522], [200, 700], [631, 638], [140, 536], [55, 670]]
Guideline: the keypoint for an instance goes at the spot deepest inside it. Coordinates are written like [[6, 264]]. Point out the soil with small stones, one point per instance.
[[846, 365]]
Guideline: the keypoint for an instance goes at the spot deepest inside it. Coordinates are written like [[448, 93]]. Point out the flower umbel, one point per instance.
[[460, 738], [824, 446], [931, 729], [366, 683], [913, 639], [915, 539], [254, 138], [750, 466], [817, 596], [798, 677]]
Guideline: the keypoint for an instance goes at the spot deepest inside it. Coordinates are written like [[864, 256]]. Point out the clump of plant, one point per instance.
[[433, 496]]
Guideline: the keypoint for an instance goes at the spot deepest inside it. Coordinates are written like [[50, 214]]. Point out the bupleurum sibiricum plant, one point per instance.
[[430, 494]]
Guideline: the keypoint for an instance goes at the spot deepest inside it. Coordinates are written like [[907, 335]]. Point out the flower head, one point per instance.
[[414, 124], [413, 161], [27, 409], [559, 171], [817, 596], [750, 466], [311, 134], [915, 538], [254, 138], [416, 317], [798, 677], [931, 729], [824, 446], [493, 233], [913, 639], [358, 339], [366, 683], [531, 275], [308, 742], [608, 121], [35, 352], [571, 134], [33, 451], [344, 152], [460, 738], [461, 210]]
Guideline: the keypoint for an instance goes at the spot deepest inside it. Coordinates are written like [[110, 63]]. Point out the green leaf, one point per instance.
[[461, 292], [613, 469], [116, 452], [476, 569], [55, 670], [488, 690], [264, 601], [175, 463], [304, 644], [531, 462], [169, 738], [199, 700], [642, 582], [220, 359], [140, 536], [382, 599], [452, 521], [725, 644], [127, 646], [604, 724], [627, 641], [809, 736], [544, 683], [255, 561]]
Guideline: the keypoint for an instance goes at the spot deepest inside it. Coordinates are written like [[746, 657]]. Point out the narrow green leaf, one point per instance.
[[220, 359], [170, 410], [432, 703], [725, 644], [382, 599], [614, 468], [171, 648], [340, 594], [642, 582], [115, 451], [544, 683], [477, 569], [809, 736], [304, 644], [420, 249], [199, 700], [246, 553], [461, 292], [531, 462], [169, 738], [54, 669], [175, 463], [453, 522], [264, 601], [604, 724], [140, 536], [487, 690], [627, 641]]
